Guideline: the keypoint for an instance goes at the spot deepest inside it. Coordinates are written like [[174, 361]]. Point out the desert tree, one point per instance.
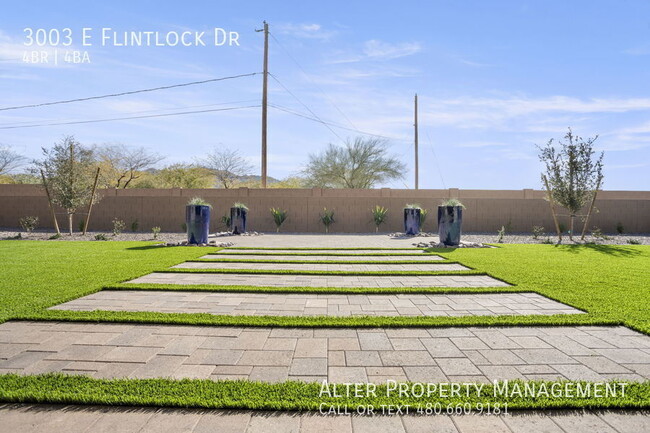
[[123, 165], [573, 174], [227, 166], [183, 176], [10, 160], [361, 163], [69, 170]]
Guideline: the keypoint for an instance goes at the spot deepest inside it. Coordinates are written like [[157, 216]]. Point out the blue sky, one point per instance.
[[494, 79]]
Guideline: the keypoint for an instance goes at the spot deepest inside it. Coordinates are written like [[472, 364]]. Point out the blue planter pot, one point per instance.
[[450, 220], [238, 220], [412, 221], [197, 219]]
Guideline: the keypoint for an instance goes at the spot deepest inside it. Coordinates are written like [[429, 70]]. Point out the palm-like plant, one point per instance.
[[279, 216], [423, 216], [379, 215], [327, 218]]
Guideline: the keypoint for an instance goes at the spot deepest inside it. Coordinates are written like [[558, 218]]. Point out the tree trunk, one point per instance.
[[377, 229], [571, 218], [327, 229], [70, 222], [277, 229]]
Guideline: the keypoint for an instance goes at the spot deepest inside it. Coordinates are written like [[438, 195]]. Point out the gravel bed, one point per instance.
[[516, 238]]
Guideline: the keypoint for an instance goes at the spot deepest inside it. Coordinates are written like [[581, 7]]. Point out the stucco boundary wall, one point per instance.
[[486, 210]]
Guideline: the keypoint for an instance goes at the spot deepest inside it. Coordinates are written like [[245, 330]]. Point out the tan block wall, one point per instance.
[[487, 210]]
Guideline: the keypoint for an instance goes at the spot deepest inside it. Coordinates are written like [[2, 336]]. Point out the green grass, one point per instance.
[[37, 274], [608, 281], [290, 395], [206, 319], [310, 272]]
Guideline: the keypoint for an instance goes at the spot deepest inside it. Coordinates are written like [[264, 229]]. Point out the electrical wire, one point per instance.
[[306, 107], [246, 101], [334, 124], [129, 118], [286, 51], [435, 159], [132, 92]]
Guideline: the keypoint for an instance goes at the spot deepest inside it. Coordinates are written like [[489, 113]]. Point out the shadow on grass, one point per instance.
[[147, 247], [612, 250]]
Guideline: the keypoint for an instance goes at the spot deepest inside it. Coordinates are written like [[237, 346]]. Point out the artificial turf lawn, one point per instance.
[[290, 395], [609, 282]]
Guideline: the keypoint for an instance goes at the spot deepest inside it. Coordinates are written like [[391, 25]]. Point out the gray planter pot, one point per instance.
[[450, 220], [411, 221], [238, 220]]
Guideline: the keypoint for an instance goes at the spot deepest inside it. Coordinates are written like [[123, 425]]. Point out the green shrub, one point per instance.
[[55, 236], [598, 234], [82, 225], [632, 241], [379, 215], [619, 228], [327, 218], [198, 201], [118, 226], [547, 241], [453, 202], [100, 237], [239, 205], [134, 226], [423, 217], [538, 232], [29, 223], [225, 220], [155, 231], [562, 227], [413, 206], [279, 216]]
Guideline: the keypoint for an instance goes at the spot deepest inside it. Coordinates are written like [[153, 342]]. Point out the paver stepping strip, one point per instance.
[[319, 304], [235, 251], [37, 418], [289, 280], [320, 257], [325, 267], [340, 355]]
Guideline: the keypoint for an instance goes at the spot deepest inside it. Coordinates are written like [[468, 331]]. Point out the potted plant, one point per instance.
[[412, 219], [379, 215], [238, 213], [279, 216], [327, 218], [450, 220], [197, 221]]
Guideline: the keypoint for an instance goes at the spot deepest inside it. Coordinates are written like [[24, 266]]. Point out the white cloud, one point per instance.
[[379, 50], [306, 31]]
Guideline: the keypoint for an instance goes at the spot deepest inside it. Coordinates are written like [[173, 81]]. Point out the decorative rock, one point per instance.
[[441, 245], [404, 235]]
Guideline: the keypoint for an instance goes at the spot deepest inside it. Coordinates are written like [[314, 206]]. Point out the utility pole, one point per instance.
[[417, 168], [265, 83]]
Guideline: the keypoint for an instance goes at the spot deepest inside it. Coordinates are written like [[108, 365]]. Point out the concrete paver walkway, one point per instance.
[[418, 252], [390, 267], [340, 355], [289, 280], [317, 257], [31, 418], [229, 303]]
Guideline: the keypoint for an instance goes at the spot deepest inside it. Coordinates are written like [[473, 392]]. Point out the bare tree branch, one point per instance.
[[10, 160], [227, 166], [123, 164]]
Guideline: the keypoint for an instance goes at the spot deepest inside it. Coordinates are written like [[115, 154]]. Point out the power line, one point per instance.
[[334, 124], [112, 95], [246, 101], [435, 160], [312, 81], [129, 118], [306, 107]]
